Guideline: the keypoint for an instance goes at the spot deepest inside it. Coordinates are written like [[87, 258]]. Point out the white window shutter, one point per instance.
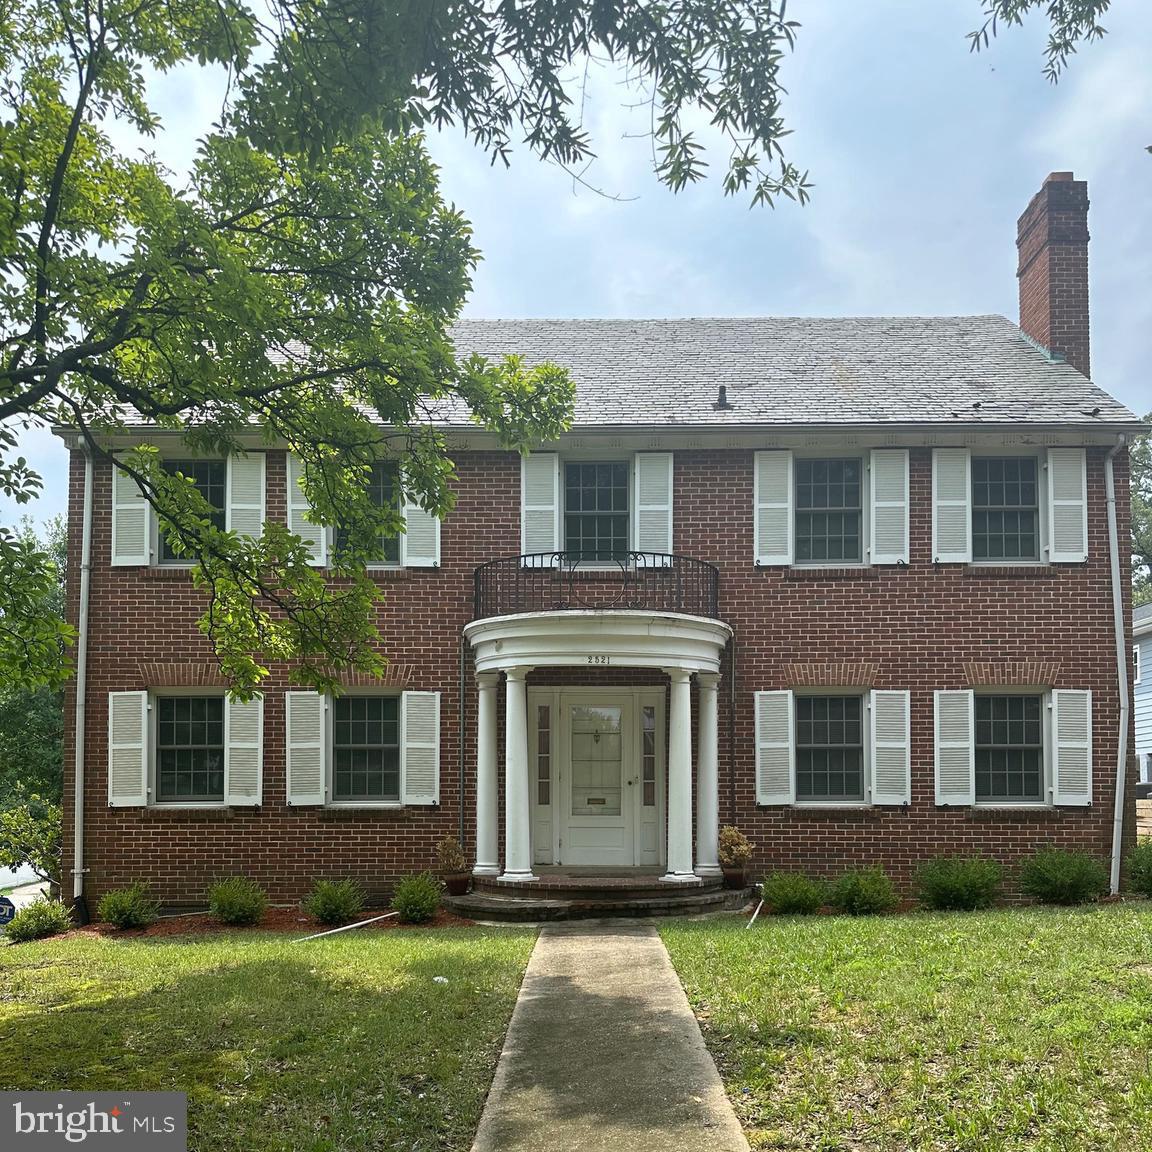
[[775, 749], [299, 523], [653, 488], [1067, 506], [245, 497], [127, 749], [889, 493], [773, 525], [540, 506], [952, 506], [955, 748], [420, 748], [307, 747], [131, 523], [420, 542], [1072, 747], [243, 751], [891, 748]]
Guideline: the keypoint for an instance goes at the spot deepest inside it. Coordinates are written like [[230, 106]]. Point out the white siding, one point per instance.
[[1142, 694]]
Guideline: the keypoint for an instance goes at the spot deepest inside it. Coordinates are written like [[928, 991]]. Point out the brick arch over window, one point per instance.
[[1017, 673]]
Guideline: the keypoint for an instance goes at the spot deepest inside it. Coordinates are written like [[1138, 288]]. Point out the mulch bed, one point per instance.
[[290, 921]]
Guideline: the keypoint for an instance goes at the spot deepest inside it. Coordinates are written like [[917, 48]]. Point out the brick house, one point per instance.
[[849, 584]]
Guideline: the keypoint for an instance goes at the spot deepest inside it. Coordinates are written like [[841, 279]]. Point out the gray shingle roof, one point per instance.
[[801, 371], [1142, 615]]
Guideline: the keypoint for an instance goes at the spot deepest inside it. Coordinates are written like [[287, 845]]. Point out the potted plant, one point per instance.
[[735, 852], [453, 866]]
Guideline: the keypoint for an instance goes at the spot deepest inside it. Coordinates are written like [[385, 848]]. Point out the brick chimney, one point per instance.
[[1052, 238]]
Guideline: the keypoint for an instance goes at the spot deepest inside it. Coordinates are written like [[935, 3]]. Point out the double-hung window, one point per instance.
[[190, 749], [833, 747], [366, 749], [1008, 748], [596, 512], [383, 492], [1009, 508], [831, 509], [210, 478], [830, 749]]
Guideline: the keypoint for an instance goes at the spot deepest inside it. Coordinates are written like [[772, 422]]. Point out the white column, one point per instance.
[[517, 816], [707, 779], [680, 780], [487, 805]]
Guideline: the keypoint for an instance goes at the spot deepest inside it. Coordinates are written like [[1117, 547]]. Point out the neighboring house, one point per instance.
[[1142, 690], [844, 583]]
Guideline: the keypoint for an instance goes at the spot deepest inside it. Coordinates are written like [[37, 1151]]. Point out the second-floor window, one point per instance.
[[383, 492], [596, 517], [210, 478], [1005, 508], [829, 511]]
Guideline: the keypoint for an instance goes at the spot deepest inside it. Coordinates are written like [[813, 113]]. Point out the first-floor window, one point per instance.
[[190, 749], [366, 748], [1009, 748], [829, 748]]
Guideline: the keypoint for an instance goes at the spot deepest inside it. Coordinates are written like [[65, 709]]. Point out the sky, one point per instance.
[[922, 155]]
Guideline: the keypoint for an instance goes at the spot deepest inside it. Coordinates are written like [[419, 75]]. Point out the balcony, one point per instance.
[[570, 582]]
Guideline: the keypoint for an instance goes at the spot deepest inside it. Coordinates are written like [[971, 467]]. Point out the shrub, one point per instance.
[[43, 917], [334, 901], [1054, 876], [237, 900], [735, 850], [416, 898], [128, 907], [951, 883], [863, 892], [790, 893], [1140, 867]]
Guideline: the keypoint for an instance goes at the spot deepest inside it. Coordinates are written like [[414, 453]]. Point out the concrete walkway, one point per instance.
[[603, 1052]]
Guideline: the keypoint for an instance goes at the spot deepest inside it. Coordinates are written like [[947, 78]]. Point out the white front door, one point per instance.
[[597, 761]]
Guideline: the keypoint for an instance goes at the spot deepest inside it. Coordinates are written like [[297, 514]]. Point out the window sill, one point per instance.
[[176, 813], [854, 813], [1021, 813], [1026, 570], [181, 572], [844, 572], [357, 811]]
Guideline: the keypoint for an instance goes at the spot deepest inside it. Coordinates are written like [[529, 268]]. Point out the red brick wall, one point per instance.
[[919, 628]]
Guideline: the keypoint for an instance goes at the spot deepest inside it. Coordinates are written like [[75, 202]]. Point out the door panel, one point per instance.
[[597, 793]]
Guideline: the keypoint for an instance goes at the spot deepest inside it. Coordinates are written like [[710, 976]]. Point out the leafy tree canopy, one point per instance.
[[299, 284], [1142, 518]]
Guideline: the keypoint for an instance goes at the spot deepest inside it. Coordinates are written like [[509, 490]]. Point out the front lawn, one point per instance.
[[347, 1043], [988, 1032]]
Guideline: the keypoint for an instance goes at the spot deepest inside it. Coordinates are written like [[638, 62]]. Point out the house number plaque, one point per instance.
[[599, 659]]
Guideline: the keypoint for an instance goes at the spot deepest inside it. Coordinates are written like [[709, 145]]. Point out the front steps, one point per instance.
[[590, 896]]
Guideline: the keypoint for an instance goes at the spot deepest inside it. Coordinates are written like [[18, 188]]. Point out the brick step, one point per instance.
[[522, 907], [596, 888]]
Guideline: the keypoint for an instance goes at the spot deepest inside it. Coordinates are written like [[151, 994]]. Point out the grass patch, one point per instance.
[[346, 1043], [995, 1031]]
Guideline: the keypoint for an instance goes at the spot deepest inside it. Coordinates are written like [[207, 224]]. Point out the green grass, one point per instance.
[[996, 1031], [346, 1043]]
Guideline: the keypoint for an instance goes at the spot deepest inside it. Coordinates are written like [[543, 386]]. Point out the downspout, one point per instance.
[[1121, 664], [732, 729], [463, 644], [79, 904]]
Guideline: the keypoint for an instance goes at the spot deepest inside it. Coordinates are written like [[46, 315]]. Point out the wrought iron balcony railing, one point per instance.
[[568, 581]]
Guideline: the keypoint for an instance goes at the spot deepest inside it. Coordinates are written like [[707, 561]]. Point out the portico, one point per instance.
[[584, 770]]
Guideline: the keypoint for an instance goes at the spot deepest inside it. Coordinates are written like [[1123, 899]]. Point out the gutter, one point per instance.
[[1121, 665], [78, 902]]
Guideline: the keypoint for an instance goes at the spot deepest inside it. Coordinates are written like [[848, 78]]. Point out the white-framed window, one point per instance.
[[418, 546], [234, 487], [1009, 507], [383, 492], [595, 509], [830, 508], [363, 750], [184, 748], [837, 747], [1136, 668], [1006, 748]]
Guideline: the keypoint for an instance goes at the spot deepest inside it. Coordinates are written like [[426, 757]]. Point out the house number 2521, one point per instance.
[[599, 659]]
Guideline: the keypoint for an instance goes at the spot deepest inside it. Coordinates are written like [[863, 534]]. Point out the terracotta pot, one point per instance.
[[457, 884], [733, 877]]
